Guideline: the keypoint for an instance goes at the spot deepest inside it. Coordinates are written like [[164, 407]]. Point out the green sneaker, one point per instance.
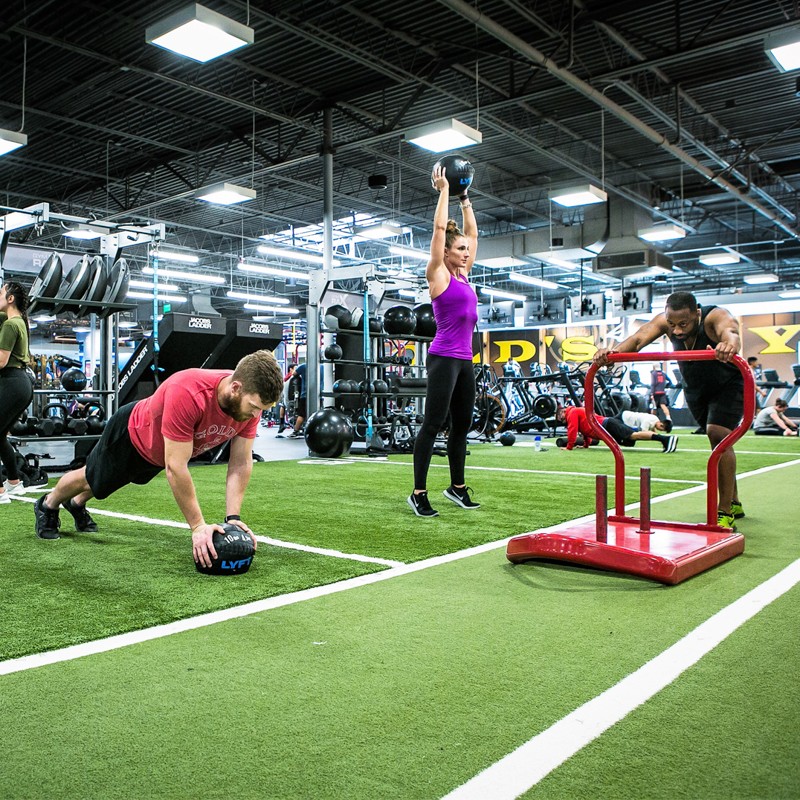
[[726, 521], [736, 510]]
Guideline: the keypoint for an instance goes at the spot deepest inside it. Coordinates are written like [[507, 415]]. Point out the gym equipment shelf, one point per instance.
[[63, 438], [668, 552]]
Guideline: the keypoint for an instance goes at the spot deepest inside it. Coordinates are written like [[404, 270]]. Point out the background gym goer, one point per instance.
[[575, 419], [755, 368], [190, 412], [772, 421], [714, 390], [659, 383], [16, 389], [451, 380]]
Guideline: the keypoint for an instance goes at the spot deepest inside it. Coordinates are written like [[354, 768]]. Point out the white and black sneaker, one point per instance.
[[420, 505], [671, 445], [460, 496]]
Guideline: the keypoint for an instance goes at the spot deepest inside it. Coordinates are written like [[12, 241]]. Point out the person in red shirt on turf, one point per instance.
[[191, 412], [575, 419]]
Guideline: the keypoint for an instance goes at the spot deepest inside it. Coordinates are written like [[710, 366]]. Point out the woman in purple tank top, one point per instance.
[[451, 378]]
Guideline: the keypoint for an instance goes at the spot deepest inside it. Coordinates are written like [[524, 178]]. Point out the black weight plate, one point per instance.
[[76, 284], [46, 284], [97, 288], [118, 280]]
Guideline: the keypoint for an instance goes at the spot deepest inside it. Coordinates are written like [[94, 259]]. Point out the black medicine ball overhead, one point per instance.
[[235, 552], [426, 322], [333, 352], [337, 318], [399, 321], [459, 173]]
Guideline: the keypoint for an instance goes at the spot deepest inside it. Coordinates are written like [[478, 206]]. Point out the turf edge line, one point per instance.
[[523, 768]]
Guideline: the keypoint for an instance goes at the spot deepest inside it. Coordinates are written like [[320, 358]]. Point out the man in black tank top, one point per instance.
[[714, 390]]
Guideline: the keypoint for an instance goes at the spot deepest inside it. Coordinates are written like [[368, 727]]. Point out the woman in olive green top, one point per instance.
[[16, 389]]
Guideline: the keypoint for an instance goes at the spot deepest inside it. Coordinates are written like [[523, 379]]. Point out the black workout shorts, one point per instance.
[[720, 405], [619, 430], [114, 462], [301, 407]]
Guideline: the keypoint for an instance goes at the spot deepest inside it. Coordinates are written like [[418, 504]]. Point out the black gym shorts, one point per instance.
[[114, 462], [619, 430], [721, 405], [301, 407]]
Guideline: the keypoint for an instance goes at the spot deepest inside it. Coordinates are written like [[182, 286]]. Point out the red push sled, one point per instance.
[[669, 552]]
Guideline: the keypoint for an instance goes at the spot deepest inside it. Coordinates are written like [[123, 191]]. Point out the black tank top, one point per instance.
[[700, 374]]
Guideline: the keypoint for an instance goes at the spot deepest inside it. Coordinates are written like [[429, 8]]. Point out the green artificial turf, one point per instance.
[[409, 687]]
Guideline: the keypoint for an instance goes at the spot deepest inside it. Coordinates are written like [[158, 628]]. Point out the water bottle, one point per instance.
[[537, 443]]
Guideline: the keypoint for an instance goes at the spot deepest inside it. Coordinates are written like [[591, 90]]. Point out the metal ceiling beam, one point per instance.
[[572, 80]]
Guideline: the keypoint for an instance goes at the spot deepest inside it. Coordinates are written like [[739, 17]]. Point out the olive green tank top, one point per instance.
[[14, 338]]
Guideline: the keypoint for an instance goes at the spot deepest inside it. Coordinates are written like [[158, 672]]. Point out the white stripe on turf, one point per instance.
[[134, 637], [522, 769]]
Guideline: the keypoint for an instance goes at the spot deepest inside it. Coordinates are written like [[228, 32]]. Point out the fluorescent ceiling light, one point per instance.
[[168, 298], [162, 287], [43, 317], [186, 258], [556, 261], [582, 195], [193, 277], [786, 295], [783, 50], [11, 140], [761, 277], [127, 324], [280, 273], [294, 255], [199, 33], [446, 135], [225, 194], [273, 309], [520, 278], [500, 261], [407, 293], [257, 298], [662, 233], [498, 293], [720, 259], [409, 252], [384, 230], [83, 232], [81, 329]]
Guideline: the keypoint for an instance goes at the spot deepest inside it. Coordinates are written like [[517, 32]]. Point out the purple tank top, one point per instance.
[[456, 312]]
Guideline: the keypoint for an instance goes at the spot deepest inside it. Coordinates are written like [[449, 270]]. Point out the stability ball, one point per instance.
[[329, 433], [459, 173], [426, 323]]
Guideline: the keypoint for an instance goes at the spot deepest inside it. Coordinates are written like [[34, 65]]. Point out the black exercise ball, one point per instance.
[[375, 325], [73, 380], [235, 552], [337, 318], [426, 323], [367, 387], [399, 321], [381, 387], [339, 387], [459, 173], [507, 438], [333, 352], [329, 433]]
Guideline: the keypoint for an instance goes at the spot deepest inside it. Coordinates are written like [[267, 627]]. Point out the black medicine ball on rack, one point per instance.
[[337, 318], [459, 173], [399, 321], [73, 380], [375, 325], [333, 352], [426, 323]]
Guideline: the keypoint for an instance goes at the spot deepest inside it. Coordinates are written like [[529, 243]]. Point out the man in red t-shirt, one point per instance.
[[190, 412], [575, 419]]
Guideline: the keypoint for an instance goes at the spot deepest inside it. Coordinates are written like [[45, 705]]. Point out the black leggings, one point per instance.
[[16, 393], [451, 387]]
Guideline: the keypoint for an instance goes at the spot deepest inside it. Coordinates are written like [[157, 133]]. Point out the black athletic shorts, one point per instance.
[[619, 430], [721, 405], [114, 462]]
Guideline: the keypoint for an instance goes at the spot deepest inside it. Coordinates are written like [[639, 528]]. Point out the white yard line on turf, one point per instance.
[[522, 769], [135, 637]]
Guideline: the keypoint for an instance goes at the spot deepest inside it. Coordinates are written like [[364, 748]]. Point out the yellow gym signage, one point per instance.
[[777, 338]]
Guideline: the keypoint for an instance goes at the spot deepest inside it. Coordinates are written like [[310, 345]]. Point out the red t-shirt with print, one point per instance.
[[184, 408]]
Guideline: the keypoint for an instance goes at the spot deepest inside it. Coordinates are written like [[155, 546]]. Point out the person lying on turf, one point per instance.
[[575, 419], [191, 412]]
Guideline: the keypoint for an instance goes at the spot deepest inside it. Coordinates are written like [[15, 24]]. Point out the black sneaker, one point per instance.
[[671, 444], [460, 496], [83, 522], [47, 520], [421, 505]]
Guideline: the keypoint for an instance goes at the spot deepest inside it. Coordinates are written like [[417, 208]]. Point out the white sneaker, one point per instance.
[[14, 488], [4, 498]]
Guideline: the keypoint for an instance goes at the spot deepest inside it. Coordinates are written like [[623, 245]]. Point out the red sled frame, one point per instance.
[[668, 552]]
